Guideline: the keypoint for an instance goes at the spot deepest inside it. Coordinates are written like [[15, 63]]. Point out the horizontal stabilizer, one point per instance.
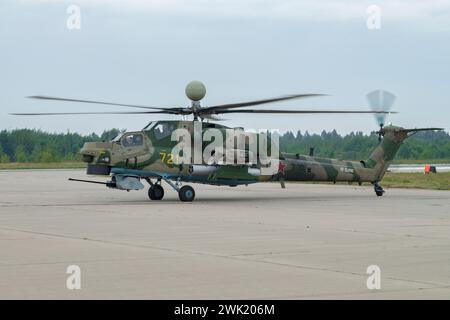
[[423, 129], [410, 132]]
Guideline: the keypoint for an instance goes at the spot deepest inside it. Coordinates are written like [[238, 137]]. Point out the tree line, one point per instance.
[[27, 145], [427, 145]]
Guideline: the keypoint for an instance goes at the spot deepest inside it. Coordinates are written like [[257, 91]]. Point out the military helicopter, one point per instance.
[[149, 155]]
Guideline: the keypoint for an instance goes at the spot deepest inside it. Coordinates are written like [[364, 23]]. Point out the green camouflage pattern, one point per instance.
[[306, 168], [148, 153]]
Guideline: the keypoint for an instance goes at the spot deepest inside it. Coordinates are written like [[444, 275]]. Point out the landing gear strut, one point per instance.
[[185, 193], [156, 191], [379, 191]]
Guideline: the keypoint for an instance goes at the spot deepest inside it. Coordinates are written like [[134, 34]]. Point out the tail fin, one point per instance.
[[385, 152]]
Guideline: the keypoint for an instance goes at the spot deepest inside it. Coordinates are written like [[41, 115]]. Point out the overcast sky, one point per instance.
[[145, 52]]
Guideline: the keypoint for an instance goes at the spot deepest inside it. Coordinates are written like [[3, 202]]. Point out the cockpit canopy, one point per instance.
[[133, 139], [130, 139], [159, 130], [164, 129]]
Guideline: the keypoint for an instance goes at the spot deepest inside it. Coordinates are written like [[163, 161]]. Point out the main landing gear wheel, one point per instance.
[[186, 193], [379, 191], [156, 192]]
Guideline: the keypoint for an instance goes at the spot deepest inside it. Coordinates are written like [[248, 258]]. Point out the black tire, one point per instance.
[[379, 191], [156, 192], [186, 194]]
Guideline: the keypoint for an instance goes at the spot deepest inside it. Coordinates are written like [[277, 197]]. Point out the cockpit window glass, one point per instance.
[[163, 130], [150, 125], [131, 140], [118, 137]]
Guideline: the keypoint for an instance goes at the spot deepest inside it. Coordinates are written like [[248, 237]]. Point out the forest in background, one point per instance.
[[27, 145]]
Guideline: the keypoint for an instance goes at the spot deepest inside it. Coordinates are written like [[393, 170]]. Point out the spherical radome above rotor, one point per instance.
[[195, 90]]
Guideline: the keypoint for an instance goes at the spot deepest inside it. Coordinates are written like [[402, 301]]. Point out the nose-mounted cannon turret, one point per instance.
[[98, 156]]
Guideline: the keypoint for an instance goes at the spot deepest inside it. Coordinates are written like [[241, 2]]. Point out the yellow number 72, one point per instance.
[[166, 157]]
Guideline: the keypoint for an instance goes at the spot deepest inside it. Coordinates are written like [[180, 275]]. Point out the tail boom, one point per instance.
[[298, 167]]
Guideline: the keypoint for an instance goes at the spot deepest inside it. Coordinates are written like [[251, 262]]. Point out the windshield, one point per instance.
[[132, 140], [150, 125], [118, 137], [164, 129]]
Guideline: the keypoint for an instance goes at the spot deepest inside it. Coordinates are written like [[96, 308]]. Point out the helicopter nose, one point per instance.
[[98, 152], [98, 157]]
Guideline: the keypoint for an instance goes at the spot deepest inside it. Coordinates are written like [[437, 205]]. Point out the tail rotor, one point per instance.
[[381, 100]]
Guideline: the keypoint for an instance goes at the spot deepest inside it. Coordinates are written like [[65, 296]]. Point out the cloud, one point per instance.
[[413, 10]]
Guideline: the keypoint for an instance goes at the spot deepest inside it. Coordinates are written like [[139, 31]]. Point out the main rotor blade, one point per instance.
[[211, 117], [80, 113], [259, 102], [101, 102], [302, 111]]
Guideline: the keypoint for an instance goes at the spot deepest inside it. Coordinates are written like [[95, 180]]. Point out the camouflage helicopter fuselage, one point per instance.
[[163, 152], [148, 154]]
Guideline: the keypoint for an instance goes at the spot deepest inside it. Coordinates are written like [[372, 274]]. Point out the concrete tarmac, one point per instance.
[[256, 242]]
